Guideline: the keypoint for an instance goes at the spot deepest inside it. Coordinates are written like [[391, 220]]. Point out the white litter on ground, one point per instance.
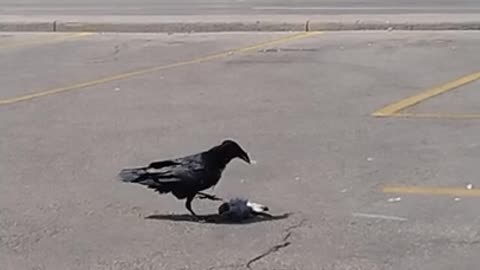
[[397, 199]]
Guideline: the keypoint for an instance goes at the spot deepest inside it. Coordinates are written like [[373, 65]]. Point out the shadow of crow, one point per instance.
[[234, 211]]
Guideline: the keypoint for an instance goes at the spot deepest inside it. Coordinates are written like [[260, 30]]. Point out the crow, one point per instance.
[[187, 176]]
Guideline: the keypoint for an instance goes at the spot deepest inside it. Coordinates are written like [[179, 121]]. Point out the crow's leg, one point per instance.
[[202, 195], [188, 204]]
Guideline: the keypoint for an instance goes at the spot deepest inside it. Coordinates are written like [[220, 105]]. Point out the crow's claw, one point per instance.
[[202, 196]]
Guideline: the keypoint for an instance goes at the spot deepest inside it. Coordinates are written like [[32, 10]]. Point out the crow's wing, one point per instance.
[[186, 169]]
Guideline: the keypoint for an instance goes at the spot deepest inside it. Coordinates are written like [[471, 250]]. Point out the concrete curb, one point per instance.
[[179, 27], [26, 26], [238, 23], [440, 26]]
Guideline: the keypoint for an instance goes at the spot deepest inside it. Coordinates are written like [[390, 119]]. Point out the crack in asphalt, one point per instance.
[[283, 244], [268, 252]]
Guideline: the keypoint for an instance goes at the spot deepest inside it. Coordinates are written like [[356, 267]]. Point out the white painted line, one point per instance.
[[363, 215]]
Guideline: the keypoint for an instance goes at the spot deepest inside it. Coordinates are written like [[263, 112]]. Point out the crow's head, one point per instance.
[[231, 150]]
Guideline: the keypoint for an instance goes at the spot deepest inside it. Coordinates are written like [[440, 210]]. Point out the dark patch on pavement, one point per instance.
[[215, 219]]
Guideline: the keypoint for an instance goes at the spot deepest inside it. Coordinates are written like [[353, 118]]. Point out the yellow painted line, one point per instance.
[[44, 39], [447, 191], [396, 107], [439, 115], [144, 71]]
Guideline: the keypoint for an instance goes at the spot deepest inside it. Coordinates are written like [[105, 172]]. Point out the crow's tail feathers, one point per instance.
[[136, 175], [143, 177]]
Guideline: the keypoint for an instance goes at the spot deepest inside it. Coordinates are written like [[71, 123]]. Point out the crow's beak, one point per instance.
[[244, 157]]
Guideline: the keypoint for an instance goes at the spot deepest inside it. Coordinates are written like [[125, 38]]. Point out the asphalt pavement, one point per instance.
[[230, 7], [242, 15], [368, 140]]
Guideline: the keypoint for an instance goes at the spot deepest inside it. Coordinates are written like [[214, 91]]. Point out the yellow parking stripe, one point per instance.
[[396, 107], [447, 191], [144, 71]]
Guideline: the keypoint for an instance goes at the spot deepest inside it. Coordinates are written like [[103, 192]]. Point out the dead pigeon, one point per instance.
[[238, 210]]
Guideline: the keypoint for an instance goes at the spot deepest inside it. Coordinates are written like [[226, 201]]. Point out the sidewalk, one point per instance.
[[224, 23]]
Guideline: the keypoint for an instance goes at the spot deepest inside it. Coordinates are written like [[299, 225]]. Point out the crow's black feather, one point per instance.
[[186, 176]]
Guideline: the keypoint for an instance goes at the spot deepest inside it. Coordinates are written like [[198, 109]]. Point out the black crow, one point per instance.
[[238, 209], [186, 177]]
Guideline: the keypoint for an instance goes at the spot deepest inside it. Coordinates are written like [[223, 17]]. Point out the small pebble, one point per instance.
[[117, 89], [469, 186], [253, 161], [456, 199], [370, 159]]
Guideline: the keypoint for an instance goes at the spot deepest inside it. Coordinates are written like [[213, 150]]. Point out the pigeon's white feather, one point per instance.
[[256, 207]]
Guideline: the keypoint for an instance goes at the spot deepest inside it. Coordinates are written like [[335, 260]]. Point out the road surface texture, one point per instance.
[[227, 7], [392, 190]]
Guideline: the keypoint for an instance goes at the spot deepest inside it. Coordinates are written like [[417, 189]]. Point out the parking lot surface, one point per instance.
[[368, 140]]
